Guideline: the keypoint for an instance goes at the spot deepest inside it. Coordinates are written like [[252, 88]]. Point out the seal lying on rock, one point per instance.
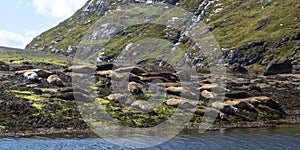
[[143, 106], [182, 104], [213, 88], [81, 69], [73, 96], [134, 88], [55, 80], [40, 72], [132, 69], [180, 91], [225, 108], [238, 94], [32, 76], [73, 89], [121, 98]]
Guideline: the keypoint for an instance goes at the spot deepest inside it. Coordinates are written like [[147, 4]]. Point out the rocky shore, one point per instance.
[[42, 98]]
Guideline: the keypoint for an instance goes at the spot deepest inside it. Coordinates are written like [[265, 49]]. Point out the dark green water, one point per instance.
[[284, 137]]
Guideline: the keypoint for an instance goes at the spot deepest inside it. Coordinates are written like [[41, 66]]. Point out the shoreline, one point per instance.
[[88, 133], [45, 106]]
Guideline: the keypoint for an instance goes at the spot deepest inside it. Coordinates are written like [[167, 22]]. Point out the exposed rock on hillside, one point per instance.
[[248, 32]]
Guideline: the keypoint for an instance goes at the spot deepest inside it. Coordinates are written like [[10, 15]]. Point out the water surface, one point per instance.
[[284, 137]]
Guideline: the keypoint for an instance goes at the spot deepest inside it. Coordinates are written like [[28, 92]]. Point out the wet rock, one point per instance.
[[180, 103], [143, 106], [280, 67], [225, 108], [238, 94], [40, 72], [81, 69], [134, 88], [237, 68], [55, 80]]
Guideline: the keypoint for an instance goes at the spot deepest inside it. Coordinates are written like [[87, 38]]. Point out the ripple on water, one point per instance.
[[281, 138]]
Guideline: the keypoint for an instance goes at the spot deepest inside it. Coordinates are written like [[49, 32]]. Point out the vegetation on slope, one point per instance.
[[257, 30]]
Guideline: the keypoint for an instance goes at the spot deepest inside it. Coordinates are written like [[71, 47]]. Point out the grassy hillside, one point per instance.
[[255, 31]]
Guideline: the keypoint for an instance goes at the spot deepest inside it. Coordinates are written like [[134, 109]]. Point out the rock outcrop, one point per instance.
[[279, 67]]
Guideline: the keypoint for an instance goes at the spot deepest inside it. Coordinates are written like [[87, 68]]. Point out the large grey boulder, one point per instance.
[[280, 67]]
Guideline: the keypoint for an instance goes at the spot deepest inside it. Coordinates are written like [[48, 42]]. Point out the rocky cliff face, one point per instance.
[[250, 32]]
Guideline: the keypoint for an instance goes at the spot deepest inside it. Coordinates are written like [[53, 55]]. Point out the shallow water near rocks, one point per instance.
[[283, 137]]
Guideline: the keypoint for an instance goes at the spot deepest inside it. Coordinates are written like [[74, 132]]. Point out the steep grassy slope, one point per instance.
[[250, 32]]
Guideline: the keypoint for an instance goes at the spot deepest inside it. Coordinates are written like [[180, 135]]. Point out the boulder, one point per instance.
[[40, 72], [134, 88], [223, 107], [280, 67], [142, 105], [81, 69], [238, 94], [237, 68], [55, 80]]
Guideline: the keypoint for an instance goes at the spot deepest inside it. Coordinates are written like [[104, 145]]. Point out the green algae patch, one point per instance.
[[28, 95], [49, 90], [103, 101], [37, 106]]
